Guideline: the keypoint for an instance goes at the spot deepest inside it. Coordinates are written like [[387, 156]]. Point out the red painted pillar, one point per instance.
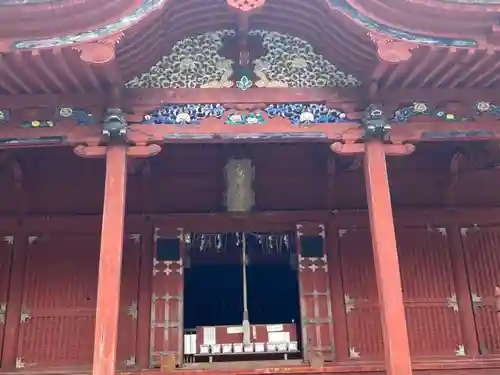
[[110, 262], [396, 345]]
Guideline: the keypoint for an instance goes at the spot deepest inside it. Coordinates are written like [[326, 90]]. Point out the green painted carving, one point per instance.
[[37, 124], [244, 83]]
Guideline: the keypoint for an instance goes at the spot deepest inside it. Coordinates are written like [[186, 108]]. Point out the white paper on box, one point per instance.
[[236, 329], [209, 336], [278, 337], [275, 328]]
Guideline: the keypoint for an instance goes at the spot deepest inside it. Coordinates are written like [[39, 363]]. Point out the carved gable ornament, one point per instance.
[[289, 61]]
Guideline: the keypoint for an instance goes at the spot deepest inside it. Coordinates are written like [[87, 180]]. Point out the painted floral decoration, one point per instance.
[[245, 119], [4, 115], [194, 62], [487, 107], [65, 112], [422, 109], [184, 114], [37, 124], [80, 116], [244, 83], [292, 62], [303, 114]]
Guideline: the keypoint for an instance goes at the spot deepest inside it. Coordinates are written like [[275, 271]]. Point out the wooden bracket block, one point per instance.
[[132, 151]]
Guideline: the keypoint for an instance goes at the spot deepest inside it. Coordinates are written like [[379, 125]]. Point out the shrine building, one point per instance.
[[246, 187]]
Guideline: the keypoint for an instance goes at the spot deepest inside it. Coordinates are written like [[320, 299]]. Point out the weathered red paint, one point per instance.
[[360, 296], [110, 263], [432, 313], [59, 299], [396, 345]]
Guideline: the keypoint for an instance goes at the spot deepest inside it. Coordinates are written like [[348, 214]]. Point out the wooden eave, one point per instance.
[[436, 18], [46, 19], [342, 37]]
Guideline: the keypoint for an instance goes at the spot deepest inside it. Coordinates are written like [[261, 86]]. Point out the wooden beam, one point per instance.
[[154, 97], [213, 130], [391, 95]]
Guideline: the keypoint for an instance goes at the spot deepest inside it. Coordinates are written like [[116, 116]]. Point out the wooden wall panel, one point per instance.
[[428, 287], [429, 292], [129, 296], [360, 295], [6, 248], [59, 299], [481, 248]]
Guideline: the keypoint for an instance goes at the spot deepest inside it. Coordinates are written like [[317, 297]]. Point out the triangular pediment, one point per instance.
[[288, 61]]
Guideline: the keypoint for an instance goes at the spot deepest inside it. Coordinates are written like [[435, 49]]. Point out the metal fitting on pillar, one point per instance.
[[374, 122], [114, 126]]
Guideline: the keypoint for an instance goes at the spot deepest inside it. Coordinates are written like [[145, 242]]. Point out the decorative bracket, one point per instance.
[[25, 315], [349, 303], [133, 310], [132, 151], [477, 301], [3, 312], [392, 50], [453, 302]]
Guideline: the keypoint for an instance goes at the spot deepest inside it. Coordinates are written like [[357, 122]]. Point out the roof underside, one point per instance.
[[42, 53]]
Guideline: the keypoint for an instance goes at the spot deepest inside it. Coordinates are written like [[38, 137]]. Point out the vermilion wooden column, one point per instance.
[[396, 344], [110, 260]]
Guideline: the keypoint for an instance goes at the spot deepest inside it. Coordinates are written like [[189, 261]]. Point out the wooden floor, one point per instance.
[[484, 366]]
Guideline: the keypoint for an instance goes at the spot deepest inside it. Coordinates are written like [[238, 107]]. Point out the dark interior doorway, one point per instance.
[[213, 295]]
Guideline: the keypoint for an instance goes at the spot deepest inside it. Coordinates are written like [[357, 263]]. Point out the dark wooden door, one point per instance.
[[428, 290], [432, 312], [364, 331], [314, 288], [481, 247], [59, 301]]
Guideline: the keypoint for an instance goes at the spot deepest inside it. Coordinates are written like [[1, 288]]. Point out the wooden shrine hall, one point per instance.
[[250, 187]]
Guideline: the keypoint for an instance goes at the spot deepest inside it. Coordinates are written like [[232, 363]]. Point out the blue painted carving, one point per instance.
[[423, 109], [304, 114], [344, 7], [4, 115], [80, 116], [184, 114], [145, 8], [487, 107]]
